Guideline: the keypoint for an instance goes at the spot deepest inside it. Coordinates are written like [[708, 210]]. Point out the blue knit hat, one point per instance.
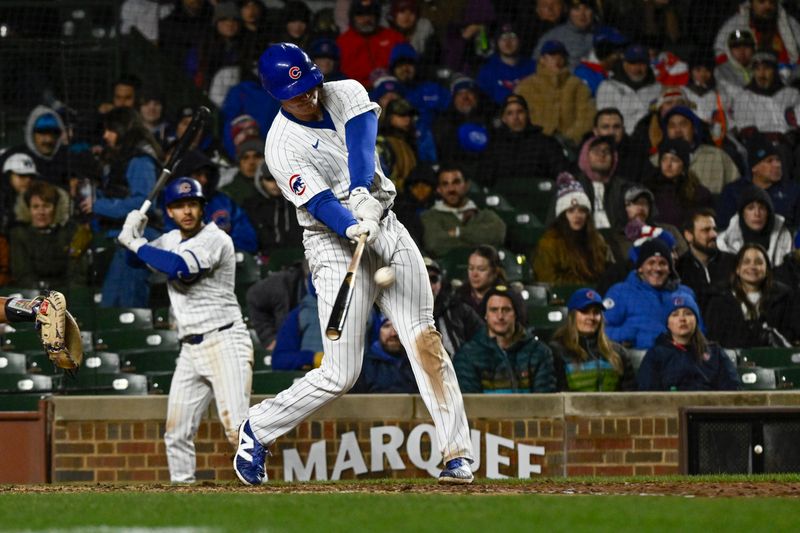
[[679, 300]]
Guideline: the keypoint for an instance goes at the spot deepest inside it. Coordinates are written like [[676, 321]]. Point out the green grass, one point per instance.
[[253, 511]]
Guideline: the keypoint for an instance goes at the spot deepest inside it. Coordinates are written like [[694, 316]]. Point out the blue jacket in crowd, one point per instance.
[[785, 196], [247, 98], [300, 336], [385, 373], [498, 79], [670, 367], [637, 312]]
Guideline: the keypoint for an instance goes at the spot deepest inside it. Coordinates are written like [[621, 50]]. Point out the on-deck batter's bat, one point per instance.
[[342, 302], [198, 121]]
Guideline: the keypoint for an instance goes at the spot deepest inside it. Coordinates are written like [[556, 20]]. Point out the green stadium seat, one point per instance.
[[636, 357], [523, 231], [101, 363], [27, 383], [84, 316], [546, 320], [528, 194], [535, 295], [37, 362], [515, 265], [454, 263], [13, 363], [498, 203], [149, 361], [788, 377], [106, 384], [158, 382], [769, 357], [19, 402], [262, 357], [83, 297], [268, 382], [757, 378], [559, 294], [161, 318], [21, 341], [281, 258], [140, 340], [119, 318], [248, 270]]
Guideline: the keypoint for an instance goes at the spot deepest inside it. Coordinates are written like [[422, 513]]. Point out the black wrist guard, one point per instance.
[[21, 309]]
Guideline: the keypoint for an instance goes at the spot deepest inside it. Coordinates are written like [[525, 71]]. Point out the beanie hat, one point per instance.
[[758, 149], [226, 10], [765, 56], [47, 122], [242, 127], [324, 47], [677, 147], [653, 248], [511, 294], [463, 82], [583, 298], [672, 95], [636, 191], [647, 232], [514, 99], [554, 47], [741, 37], [402, 52], [383, 85], [570, 194], [636, 53], [248, 145], [680, 300]]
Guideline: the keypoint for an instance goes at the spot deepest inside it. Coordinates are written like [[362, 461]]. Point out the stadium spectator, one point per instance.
[[152, 111], [416, 197], [632, 157], [767, 173], [45, 143], [636, 307], [246, 98], [270, 300], [126, 91], [205, 141], [466, 37], [649, 132], [711, 102], [756, 222], [298, 345], [534, 20], [144, 15], [462, 131], [386, 368], [19, 171], [220, 208], [324, 52], [503, 357], [675, 187], [366, 45], [753, 309], [520, 149], [455, 320], [455, 221], [558, 101], [575, 33], [41, 251], [788, 272], [503, 70], [607, 47], [249, 156], [255, 30], [221, 47], [632, 87], [712, 166], [184, 28], [296, 28], [598, 177], [271, 214], [703, 266], [682, 359], [584, 358], [484, 270], [571, 251], [404, 17], [771, 26], [736, 72], [132, 157], [385, 89], [396, 142]]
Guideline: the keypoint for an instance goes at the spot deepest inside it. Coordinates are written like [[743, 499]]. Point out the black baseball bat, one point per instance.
[[198, 121], [345, 294]]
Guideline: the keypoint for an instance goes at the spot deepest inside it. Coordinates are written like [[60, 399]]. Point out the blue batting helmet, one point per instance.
[[183, 188], [286, 71]]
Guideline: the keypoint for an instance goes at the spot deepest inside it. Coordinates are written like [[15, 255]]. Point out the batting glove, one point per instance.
[[128, 239], [137, 221], [370, 227], [364, 206]]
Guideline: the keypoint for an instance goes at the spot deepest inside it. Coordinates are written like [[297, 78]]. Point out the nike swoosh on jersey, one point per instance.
[[315, 144]]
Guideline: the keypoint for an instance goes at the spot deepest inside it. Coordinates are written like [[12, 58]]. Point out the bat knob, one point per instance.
[[333, 334]]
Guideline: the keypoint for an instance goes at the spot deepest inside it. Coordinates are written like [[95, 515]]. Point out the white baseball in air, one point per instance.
[[384, 277], [758, 449]]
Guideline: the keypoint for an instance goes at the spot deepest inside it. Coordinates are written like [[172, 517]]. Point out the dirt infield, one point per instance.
[[484, 487]]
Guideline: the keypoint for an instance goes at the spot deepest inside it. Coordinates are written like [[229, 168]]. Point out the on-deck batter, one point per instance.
[[321, 150], [216, 351]]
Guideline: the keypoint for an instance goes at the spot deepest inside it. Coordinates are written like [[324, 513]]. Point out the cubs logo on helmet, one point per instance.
[[295, 73], [181, 188], [297, 184]]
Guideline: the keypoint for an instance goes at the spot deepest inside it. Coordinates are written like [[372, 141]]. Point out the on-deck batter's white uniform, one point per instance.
[[306, 160], [221, 363]]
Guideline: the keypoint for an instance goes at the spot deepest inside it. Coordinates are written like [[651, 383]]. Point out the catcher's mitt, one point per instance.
[[58, 331]]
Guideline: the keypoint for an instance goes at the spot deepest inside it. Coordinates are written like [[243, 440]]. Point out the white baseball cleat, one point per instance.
[[456, 472]]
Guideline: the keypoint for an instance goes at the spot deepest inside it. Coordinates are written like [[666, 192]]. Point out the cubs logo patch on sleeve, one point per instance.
[[297, 184]]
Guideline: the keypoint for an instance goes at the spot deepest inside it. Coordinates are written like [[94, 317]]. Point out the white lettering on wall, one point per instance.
[[414, 449], [380, 448], [316, 463], [349, 456], [524, 466], [493, 457]]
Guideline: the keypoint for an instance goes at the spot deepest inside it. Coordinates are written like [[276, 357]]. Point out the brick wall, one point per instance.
[[587, 435]]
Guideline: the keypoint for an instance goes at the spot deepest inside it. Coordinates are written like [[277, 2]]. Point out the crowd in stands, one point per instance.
[[665, 131]]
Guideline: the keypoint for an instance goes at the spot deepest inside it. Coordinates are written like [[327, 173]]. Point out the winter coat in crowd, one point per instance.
[[703, 278], [483, 226], [632, 99], [457, 321], [775, 237], [593, 375], [528, 153], [274, 220], [498, 79], [385, 373]]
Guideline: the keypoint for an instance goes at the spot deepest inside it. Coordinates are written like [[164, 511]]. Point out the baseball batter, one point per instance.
[[216, 354], [321, 150]]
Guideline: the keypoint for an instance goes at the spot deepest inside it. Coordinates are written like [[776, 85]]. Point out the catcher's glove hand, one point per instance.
[[58, 331]]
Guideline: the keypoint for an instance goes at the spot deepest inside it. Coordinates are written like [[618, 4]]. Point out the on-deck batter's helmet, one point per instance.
[[183, 188], [286, 71]]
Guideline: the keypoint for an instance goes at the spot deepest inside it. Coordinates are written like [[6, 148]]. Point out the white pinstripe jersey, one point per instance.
[[306, 160], [208, 302]]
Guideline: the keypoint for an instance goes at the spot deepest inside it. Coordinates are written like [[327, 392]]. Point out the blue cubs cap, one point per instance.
[[383, 85], [583, 298], [324, 47], [461, 83], [473, 137], [681, 300], [554, 47], [636, 53], [402, 52], [47, 122], [607, 34]]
